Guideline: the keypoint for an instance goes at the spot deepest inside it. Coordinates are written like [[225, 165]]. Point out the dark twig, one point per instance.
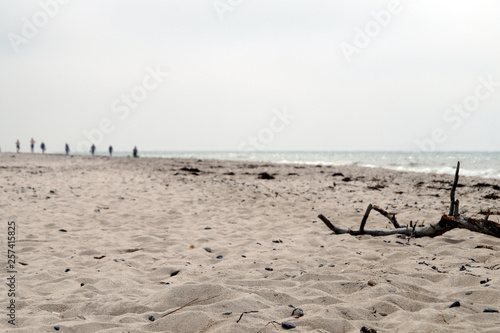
[[363, 222], [391, 217], [452, 194], [457, 206], [194, 301], [329, 224], [245, 313]]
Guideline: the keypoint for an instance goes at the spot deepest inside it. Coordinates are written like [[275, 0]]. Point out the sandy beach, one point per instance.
[[179, 245]]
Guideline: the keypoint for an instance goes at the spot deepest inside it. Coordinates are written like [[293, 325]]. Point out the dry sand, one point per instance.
[[130, 223]]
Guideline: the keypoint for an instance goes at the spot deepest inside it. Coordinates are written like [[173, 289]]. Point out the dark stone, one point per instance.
[[286, 325], [67, 270], [57, 328], [488, 310], [365, 329], [269, 269], [192, 170], [174, 273], [219, 257], [455, 304], [82, 284], [265, 175], [338, 174], [63, 230], [151, 318], [297, 312]]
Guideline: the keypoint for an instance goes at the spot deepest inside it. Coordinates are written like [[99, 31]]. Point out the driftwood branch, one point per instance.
[[446, 223]]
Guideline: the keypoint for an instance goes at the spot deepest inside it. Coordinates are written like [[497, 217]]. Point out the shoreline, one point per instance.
[[108, 244], [307, 164]]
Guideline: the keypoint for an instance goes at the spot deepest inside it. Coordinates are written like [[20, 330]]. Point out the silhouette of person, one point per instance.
[[42, 147], [110, 150], [32, 142], [92, 149], [66, 148], [18, 145], [134, 152]]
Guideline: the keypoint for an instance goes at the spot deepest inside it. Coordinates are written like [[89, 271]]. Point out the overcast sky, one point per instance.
[[250, 74]]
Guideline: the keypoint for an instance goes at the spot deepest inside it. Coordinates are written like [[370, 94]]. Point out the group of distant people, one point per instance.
[[67, 150]]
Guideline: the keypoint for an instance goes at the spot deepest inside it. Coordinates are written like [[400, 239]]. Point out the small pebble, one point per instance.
[[67, 270], [286, 325], [82, 284], [468, 293], [488, 310], [320, 265], [56, 328], [297, 312], [462, 268], [151, 318], [174, 273], [191, 245], [244, 256], [209, 250], [219, 257], [63, 230], [207, 228], [227, 313], [455, 304], [269, 269], [372, 283]]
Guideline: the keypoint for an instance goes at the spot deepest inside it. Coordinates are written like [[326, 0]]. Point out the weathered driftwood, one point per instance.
[[446, 223]]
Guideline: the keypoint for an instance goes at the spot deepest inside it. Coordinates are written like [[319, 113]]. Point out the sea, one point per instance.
[[480, 164]]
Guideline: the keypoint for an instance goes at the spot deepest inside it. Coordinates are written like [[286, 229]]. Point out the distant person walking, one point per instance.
[[42, 147], [18, 145], [110, 150], [66, 148], [92, 149], [32, 145], [134, 152]]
